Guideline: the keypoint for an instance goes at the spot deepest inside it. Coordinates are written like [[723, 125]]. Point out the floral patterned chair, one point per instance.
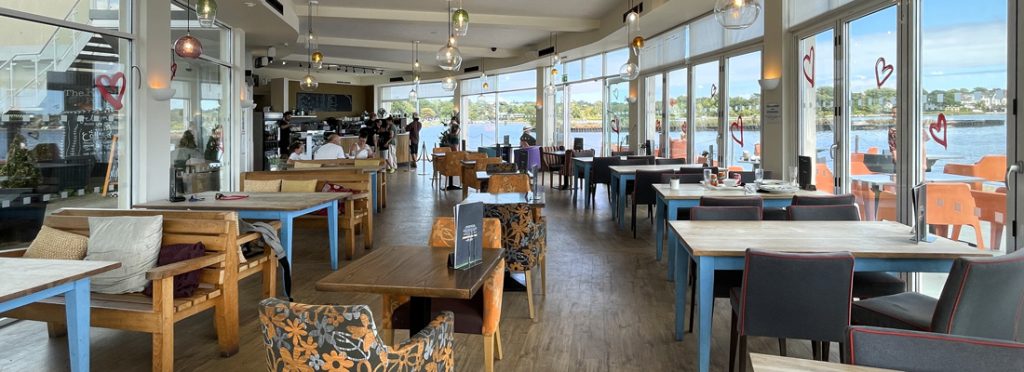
[[524, 237], [300, 337], [504, 183], [479, 315], [501, 168]]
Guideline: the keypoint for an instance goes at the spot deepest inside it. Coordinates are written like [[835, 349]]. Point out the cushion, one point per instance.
[[297, 186], [132, 241], [57, 244], [184, 284], [307, 165], [262, 186], [908, 310], [333, 187], [876, 284]]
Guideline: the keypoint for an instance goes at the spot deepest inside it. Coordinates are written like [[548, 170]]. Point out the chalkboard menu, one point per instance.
[[318, 102]]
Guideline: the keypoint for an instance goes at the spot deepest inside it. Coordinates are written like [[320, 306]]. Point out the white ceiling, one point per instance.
[[592, 9]]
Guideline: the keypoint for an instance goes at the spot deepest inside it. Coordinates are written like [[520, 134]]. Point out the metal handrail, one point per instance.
[[71, 12]]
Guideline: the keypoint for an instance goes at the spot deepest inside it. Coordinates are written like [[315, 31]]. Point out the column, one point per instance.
[[151, 151], [779, 132]]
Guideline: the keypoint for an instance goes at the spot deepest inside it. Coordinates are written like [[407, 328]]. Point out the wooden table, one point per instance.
[[775, 363], [284, 207], [622, 174], [879, 181], [25, 280], [688, 196], [581, 169], [877, 246], [419, 272]]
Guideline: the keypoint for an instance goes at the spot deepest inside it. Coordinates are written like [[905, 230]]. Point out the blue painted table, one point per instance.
[[688, 196], [622, 174], [720, 245], [581, 169], [284, 207], [25, 280]]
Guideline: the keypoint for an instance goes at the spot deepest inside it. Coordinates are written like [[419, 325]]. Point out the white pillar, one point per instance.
[[543, 130], [779, 149], [152, 125]]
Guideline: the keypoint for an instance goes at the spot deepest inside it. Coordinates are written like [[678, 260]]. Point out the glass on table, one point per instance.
[[758, 175], [794, 174]]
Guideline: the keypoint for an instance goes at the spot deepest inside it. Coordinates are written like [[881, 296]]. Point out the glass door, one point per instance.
[[819, 137], [678, 113], [585, 105], [743, 141], [706, 126], [616, 118], [654, 112]]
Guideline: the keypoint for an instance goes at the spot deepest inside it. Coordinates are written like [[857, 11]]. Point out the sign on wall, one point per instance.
[[319, 102]]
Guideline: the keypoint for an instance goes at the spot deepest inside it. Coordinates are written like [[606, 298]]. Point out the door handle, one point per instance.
[[1014, 169], [832, 150]]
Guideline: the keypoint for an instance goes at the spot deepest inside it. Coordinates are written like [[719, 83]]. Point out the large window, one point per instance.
[[434, 105], [586, 103], [505, 107], [705, 105], [678, 111], [66, 102], [744, 110]]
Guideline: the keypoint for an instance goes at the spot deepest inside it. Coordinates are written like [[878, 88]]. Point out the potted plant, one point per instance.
[[20, 170]]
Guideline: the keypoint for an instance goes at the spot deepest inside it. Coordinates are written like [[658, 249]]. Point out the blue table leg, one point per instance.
[[586, 185], [705, 303], [332, 231], [621, 201], [373, 193], [673, 215], [659, 224], [682, 270], [76, 303], [286, 238]]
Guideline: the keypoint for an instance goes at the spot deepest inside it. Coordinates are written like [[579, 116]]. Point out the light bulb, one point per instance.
[[549, 90], [629, 71], [460, 22], [308, 83], [449, 58], [206, 12]]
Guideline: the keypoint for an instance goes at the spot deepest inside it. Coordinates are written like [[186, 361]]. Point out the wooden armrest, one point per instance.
[[361, 195], [181, 267], [17, 252]]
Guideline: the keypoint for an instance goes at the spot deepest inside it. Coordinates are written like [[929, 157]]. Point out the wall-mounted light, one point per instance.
[[631, 98], [539, 106], [769, 84], [161, 94]]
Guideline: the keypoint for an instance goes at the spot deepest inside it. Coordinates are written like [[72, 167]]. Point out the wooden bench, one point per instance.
[[374, 165], [156, 315], [356, 217]]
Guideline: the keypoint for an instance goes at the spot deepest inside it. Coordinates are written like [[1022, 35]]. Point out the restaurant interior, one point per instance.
[[375, 185]]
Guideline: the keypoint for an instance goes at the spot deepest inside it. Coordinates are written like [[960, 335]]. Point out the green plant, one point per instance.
[[20, 168]]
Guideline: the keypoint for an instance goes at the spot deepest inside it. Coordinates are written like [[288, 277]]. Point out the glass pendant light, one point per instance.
[[206, 12], [483, 74], [737, 14], [309, 83], [317, 58], [549, 90], [415, 70], [449, 84], [449, 58], [629, 71], [460, 21], [188, 46], [412, 93]]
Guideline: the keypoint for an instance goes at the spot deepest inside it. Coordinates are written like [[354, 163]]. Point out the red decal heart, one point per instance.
[[174, 70], [939, 127], [809, 60], [882, 68], [106, 81], [714, 90], [732, 131]]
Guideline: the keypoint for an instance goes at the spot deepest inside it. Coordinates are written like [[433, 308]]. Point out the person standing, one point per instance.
[[414, 128], [215, 145], [385, 136], [284, 133], [330, 150], [453, 138]]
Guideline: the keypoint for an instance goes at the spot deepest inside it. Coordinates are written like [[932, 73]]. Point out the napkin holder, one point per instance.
[[919, 199]]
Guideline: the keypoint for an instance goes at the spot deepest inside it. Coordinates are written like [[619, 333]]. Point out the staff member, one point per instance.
[[414, 137], [284, 130]]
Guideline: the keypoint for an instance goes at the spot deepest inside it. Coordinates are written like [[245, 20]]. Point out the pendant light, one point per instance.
[[630, 70], [449, 58], [317, 57], [309, 83], [415, 70], [737, 14], [483, 74], [460, 21], [555, 59], [449, 84], [633, 29], [188, 46], [206, 12]]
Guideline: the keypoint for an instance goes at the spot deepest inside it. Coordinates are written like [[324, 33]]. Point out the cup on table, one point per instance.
[[673, 183], [707, 176]]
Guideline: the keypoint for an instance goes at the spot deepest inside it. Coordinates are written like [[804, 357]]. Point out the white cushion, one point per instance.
[[132, 241]]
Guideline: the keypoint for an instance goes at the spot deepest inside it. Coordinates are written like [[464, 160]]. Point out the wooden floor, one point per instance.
[[608, 306]]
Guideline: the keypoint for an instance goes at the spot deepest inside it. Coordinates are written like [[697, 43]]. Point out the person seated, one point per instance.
[[330, 150], [360, 149], [297, 151], [527, 140]]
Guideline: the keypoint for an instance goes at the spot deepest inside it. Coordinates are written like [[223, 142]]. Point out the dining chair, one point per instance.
[[676, 161], [643, 192], [865, 284], [982, 298], [904, 350], [480, 315], [505, 183], [469, 177], [989, 167], [683, 179], [750, 176], [634, 161], [451, 164], [551, 163], [524, 237], [804, 296], [436, 161], [843, 199], [622, 153], [501, 168], [600, 174], [648, 159], [951, 204], [992, 209], [700, 171], [569, 167], [297, 336]]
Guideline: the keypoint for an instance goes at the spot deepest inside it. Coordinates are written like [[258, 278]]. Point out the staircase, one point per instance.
[[23, 76]]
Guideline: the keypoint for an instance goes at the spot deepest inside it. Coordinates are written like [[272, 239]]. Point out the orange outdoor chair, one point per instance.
[[886, 210], [857, 166], [824, 181], [992, 209], [506, 183], [678, 148], [865, 199], [989, 167], [480, 315], [951, 204]]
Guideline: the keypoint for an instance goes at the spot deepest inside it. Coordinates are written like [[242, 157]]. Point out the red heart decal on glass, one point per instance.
[[809, 60], [732, 131], [174, 70], [882, 72], [939, 127], [103, 82], [714, 90]]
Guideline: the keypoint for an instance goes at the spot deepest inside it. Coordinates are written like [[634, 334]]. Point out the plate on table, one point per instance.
[[773, 182], [779, 188]]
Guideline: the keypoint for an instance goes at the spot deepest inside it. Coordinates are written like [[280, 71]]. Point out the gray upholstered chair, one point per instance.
[[678, 161], [643, 192], [843, 199], [648, 159], [847, 212], [600, 174], [982, 298], [791, 295], [683, 178], [922, 351], [725, 213]]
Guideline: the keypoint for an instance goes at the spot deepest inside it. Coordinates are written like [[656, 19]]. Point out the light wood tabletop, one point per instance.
[[775, 363], [416, 271], [257, 201], [631, 169], [357, 168], [20, 277], [504, 198], [692, 191], [865, 239]]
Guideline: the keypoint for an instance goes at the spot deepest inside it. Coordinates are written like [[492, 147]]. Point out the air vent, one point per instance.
[[396, 79], [546, 51], [639, 9], [343, 82], [276, 5], [471, 69]]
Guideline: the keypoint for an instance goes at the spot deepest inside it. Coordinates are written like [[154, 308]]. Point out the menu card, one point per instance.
[[469, 229], [919, 196]]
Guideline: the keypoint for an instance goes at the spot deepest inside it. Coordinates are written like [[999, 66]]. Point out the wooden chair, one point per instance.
[[451, 164], [356, 214], [551, 163], [469, 175], [989, 167], [486, 307], [505, 183], [436, 161], [218, 290], [992, 206], [524, 237], [951, 204]]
